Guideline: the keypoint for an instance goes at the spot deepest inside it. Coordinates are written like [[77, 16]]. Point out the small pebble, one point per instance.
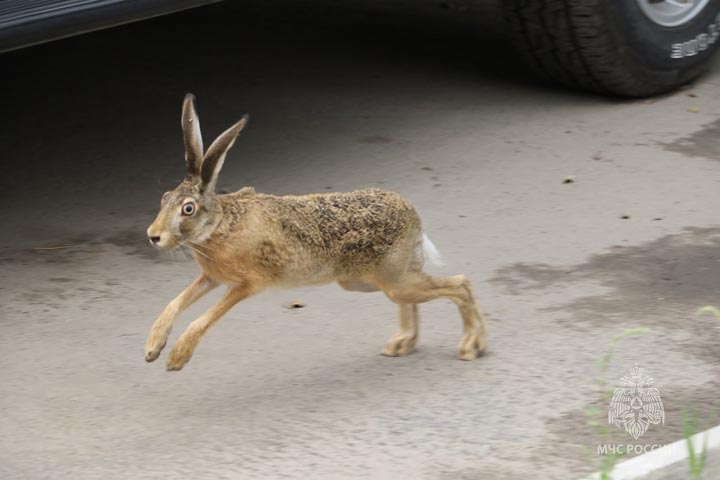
[[569, 179], [294, 304], [625, 217]]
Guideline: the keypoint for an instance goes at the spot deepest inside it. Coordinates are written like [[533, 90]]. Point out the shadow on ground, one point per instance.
[[678, 273]]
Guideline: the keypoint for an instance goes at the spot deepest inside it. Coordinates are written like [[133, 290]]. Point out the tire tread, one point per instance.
[[569, 41]]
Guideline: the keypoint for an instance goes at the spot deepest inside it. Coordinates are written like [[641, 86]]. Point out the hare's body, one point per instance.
[[310, 239], [366, 240]]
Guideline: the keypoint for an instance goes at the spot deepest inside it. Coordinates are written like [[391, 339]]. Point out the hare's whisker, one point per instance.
[[196, 250]]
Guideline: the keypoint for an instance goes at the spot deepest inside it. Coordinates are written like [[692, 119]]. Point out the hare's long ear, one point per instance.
[[192, 136], [215, 155]]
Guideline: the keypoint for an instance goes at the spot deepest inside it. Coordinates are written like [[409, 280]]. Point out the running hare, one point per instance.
[[367, 240]]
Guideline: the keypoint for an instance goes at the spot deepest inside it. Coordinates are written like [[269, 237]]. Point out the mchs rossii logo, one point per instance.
[[636, 404]]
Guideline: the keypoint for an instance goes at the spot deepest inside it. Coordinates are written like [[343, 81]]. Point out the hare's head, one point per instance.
[[188, 213]]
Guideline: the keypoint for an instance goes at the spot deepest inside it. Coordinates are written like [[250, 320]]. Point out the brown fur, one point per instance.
[[366, 240]]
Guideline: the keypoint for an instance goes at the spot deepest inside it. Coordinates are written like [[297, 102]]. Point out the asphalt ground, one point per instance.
[[427, 100]]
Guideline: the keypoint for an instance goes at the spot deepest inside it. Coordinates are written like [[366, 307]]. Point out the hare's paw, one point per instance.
[[179, 356], [472, 346], [400, 344], [153, 349]]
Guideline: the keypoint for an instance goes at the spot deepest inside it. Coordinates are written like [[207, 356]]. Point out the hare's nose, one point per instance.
[[154, 239]]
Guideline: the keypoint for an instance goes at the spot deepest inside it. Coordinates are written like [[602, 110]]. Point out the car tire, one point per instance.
[[614, 47]]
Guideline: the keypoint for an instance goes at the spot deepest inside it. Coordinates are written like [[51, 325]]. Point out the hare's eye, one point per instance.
[[188, 209]]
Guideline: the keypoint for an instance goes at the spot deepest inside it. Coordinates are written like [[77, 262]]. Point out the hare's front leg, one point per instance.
[[162, 326], [185, 346]]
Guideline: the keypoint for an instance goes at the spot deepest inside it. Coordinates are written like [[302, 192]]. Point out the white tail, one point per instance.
[[431, 252]]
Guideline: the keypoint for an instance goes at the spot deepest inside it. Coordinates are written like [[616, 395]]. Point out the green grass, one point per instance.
[[715, 311], [696, 459]]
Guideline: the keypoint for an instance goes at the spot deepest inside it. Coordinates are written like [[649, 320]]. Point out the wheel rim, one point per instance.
[[671, 13]]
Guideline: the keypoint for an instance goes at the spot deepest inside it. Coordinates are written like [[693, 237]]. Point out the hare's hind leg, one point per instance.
[[418, 287], [162, 326], [403, 342]]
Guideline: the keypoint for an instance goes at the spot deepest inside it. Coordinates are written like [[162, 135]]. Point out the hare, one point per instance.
[[366, 240]]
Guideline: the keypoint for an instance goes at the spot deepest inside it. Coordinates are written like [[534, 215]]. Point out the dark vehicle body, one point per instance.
[[28, 22], [630, 48]]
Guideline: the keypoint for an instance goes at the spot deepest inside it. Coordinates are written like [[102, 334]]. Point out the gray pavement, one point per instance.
[[424, 100]]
